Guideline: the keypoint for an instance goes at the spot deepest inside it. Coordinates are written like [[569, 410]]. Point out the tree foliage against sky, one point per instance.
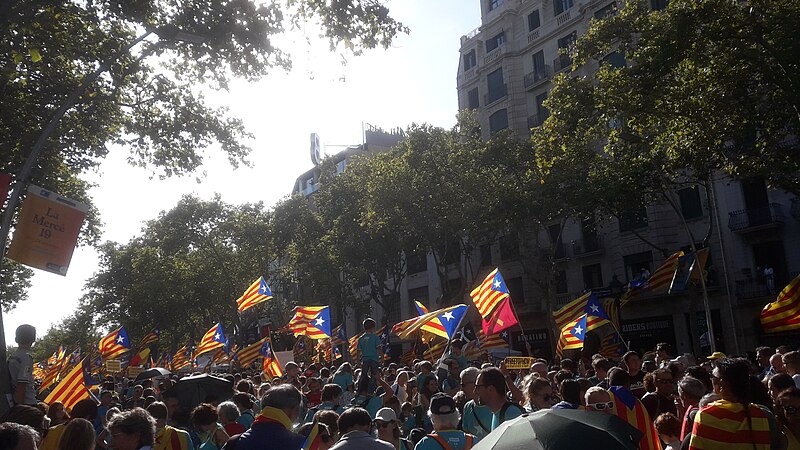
[[147, 102]]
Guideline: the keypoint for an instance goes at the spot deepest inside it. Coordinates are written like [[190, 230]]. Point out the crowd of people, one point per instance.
[[677, 403]]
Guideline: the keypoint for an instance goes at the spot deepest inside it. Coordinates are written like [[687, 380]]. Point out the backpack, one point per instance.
[[445, 446]]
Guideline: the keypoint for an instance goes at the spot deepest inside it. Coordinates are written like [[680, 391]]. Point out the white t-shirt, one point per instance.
[[400, 393]]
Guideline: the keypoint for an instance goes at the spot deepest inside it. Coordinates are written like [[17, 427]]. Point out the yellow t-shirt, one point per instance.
[[52, 438]]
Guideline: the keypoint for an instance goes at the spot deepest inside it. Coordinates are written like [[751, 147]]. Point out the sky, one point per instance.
[[414, 81]]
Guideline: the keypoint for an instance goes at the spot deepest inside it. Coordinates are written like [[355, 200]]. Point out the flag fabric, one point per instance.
[[435, 326], [574, 335], [408, 327], [49, 378], [339, 335], [336, 352], [630, 409], [300, 348], [383, 334], [352, 347], [181, 359], [611, 346], [213, 339], [149, 339], [660, 280], [502, 318], [724, 424], [139, 358], [784, 313], [251, 353], [571, 311], [489, 293], [699, 268], [115, 344], [257, 292], [72, 388], [314, 439], [311, 321], [595, 313], [499, 340], [683, 270], [435, 352], [408, 357], [635, 288], [468, 333], [271, 365]]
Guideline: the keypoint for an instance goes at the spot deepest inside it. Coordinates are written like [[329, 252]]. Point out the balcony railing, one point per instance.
[[756, 218], [589, 245], [537, 77], [494, 54], [563, 62], [751, 290], [795, 210], [492, 97], [563, 18], [470, 35]]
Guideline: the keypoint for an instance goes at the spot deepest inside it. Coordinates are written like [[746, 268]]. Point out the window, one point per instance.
[[606, 11], [509, 247], [616, 60], [538, 64], [561, 282], [497, 88], [472, 99], [633, 220], [498, 121], [494, 4], [691, 206], [565, 46], [658, 5], [533, 21], [560, 6], [416, 262], [392, 307], [516, 290], [341, 165], [420, 293], [540, 109], [636, 263], [486, 255], [593, 276], [495, 41], [470, 60]]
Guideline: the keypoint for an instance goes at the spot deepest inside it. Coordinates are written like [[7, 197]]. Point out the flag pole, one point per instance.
[[450, 339]]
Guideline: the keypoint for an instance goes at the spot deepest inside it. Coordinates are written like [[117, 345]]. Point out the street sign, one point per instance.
[[518, 362]]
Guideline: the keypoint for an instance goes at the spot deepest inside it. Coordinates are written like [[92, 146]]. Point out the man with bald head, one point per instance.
[[776, 364], [539, 368]]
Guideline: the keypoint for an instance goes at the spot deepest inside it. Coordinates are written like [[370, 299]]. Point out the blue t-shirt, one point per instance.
[[477, 419], [511, 412], [324, 406], [246, 419], [456, 439], [343, 379], [372, 406], [368, 344]]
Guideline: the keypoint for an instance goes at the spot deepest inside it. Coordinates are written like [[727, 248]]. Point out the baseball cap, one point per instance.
[[442, 404], [386, 415], [717, 355]]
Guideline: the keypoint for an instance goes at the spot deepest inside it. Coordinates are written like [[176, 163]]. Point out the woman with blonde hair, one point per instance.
[[78, 435]]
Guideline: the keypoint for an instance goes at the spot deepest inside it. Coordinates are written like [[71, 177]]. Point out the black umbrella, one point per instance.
[[563, 429], [193, 390], [154, 372]]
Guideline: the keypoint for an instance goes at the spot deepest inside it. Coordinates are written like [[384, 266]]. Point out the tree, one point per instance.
[[75, 331], [146, 100]]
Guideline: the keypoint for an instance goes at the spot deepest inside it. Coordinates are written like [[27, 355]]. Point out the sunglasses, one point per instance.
[[790, 410], [601, 406]]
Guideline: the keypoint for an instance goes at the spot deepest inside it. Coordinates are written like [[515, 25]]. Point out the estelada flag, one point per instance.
[[213, 339], [784, 313], [115, 344], [489, 293], [257, 292], [501, 319], [72, 388]]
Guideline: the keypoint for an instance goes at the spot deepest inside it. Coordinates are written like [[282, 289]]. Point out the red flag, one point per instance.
[[502, 318]]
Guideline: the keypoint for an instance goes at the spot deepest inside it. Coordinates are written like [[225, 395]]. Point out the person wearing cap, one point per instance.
[[445, 436], [20, 368], [716, 356], [388, 428]]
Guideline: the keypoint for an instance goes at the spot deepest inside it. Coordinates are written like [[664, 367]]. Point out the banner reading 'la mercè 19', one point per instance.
[[47, 231]]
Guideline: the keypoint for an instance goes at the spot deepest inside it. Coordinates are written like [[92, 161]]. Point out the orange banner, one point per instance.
[[47, 231]]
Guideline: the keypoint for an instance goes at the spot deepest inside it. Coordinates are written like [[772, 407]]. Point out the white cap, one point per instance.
[[386, 415]]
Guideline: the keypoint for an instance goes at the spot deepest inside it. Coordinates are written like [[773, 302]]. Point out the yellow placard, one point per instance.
[[47, 231], [133, 371], [518, 362], [114, 365]]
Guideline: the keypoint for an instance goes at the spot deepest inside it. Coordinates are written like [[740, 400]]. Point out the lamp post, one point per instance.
[[169, 32]]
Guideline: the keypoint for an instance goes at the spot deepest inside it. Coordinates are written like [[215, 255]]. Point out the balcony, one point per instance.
[[795, 210], [756, 219], [533, 35], [494, 54], [562, 63], [563, 18], [588, 246], [537, 77], [492, 97], [748, 291], [472, 34]]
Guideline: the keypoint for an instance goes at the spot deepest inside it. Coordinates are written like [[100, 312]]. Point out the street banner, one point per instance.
[[47, 231], [518, 362]]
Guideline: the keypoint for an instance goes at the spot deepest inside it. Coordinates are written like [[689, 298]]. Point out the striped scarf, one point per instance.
[[724, 424]]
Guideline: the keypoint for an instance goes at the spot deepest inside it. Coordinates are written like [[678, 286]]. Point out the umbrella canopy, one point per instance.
[[205, 388], [562, 429], [154, 372]]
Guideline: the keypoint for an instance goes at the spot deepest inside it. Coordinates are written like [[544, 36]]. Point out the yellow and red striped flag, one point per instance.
[[149, 339], [72, 388], [435, 326], [311, 321], [784, 313], [180, 359], [115, 344], [435, 352], [257, 292], [661, 279], [496, 340], [353, 345], [408, 327], [272, 367], [489, 293], [571, 311], [251, 353], [213, 339]]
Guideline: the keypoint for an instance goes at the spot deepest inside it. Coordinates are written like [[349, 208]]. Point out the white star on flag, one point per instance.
[[497, 284], [577, 330], [319, 321], [595, 308], [448, 315], [504, 334], [120, 339], [216, 337]]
